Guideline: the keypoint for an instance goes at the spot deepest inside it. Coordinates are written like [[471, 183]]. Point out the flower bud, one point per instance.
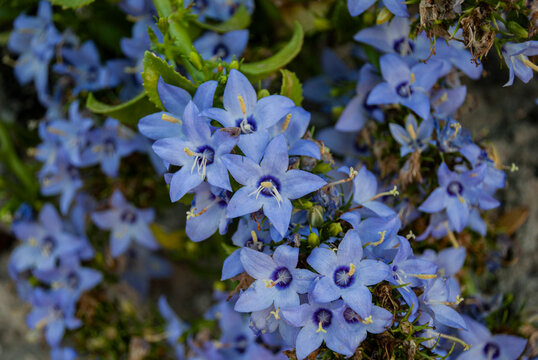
[[196, 60], [263, 93], [517, 29], [383, 16], [313, 240], [335, 229], [315, 216], [234, 65]]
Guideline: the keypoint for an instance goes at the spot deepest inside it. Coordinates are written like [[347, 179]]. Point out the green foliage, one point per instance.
[[291, 87], [155, 67], [240, 20], [71, 3], [128, 112], [261, 69]]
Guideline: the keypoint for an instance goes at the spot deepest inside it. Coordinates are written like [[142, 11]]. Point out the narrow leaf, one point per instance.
[[128, 112], [291, 87], [73, 4], [239, 21]]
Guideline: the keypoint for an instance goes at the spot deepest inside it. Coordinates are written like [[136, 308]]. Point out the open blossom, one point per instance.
[[126, 223], [357, 7], [253, 117], [346, 274], [269, 185], [213, 46], [405, 85], [516, 58], [412, 137], [199, 154]]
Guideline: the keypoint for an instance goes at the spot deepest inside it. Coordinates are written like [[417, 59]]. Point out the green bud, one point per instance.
[[322, 168], [196, 60], [234, 65], [315, 216], [302, 204], [313, 240], [321, 24], [368, 18], [407, 327], [335, 229], [337, 111], [383, 16], [517, 29], [263, 93]]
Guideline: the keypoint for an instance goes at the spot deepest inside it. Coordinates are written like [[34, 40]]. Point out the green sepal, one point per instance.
[[239, 21], [155, 67], [291, 87], [73, 4], [127, 113], [261, 69]]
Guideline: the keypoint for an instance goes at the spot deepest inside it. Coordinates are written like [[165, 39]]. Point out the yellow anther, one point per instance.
[[393, 192], [189, 152], [411, 131], [368, 320], [254, 237], [242, 104], [424, 276], [412, 76], [320, 328], [191, 214], [459, 299], [351, 270], [56, 285], [32, 241], [461, 199], [514, 168], [529, 63], [457, 128], [381, 239], [410, 235], [171, 119], [275, 313], [286, 122], [56, 131], [269, 283], [267, 184], [352, 173]]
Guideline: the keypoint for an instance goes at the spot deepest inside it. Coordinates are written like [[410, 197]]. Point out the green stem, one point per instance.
[[14, 163]]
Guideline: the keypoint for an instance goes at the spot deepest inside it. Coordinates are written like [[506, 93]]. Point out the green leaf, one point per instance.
[[71, 3], [239, 21], [128, 112], [261, 69], [155, 67], [291, 87]]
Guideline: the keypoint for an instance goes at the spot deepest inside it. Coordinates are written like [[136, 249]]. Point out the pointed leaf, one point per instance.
[[128, 112]]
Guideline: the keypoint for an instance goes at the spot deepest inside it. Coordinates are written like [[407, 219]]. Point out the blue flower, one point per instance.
[[84, 66], [357, 7], [252, 117], [436, 300], [278, 281], [62, 179], [404, 85], [200, 154], [318, 322], [356, 328], [454, 53], [356, 112], [346, 274], [447, 101], [412, 138], [394, 38], [54, 311], [408, 272], [44, 242], [516, 58], [213, 46], [66, 353], [220, 10], [456, 193], [175, 327], [486, 346], [270, 320], [365, 193], [208, 212], [107, 145], [126, 223], [167, 123], [142, 265], [269, 185]]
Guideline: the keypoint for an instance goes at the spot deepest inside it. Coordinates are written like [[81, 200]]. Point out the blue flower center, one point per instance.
[[403, 46], [247, 125], [491, 350], [48, 245], [258, 245], [404, 89], [72, 280], [72, 172], [454, 188], [221, 51], [208, 155], [92, 74], [268, 190], [282, 277], [109, 145], [342, 277], [241, 344], [322, 317], [200, 5], [350, 316], [128, 216]]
